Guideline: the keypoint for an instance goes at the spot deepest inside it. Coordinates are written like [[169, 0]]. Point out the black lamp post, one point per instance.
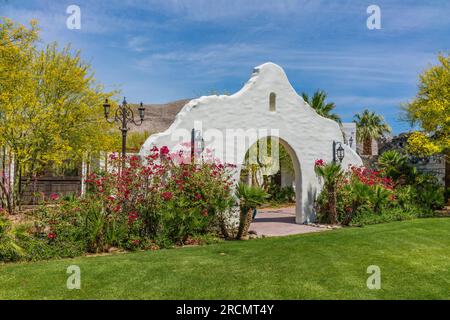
[[338, 152], [124, 115], [197, 144]]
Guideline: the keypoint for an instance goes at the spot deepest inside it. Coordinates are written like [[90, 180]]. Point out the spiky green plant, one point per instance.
[[317, 102], [369, 126], [249, 197], [331, 174]]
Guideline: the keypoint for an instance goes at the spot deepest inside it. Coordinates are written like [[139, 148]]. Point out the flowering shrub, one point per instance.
[[371, 177], [353, 189], [360, 194], [161, 201]]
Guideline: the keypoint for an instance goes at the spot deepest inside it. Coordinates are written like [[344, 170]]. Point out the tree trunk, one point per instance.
[[7, 196], [17, 184], [244, 223], [447, 177], [223, 226], [332, 204], [367, 147]]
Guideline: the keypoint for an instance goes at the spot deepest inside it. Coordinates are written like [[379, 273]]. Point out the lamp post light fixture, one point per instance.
[[124, 115], [197, 144], [339, 152], [350, 141]]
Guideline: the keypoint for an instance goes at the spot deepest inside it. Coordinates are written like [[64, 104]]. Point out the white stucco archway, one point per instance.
[[266, 106]]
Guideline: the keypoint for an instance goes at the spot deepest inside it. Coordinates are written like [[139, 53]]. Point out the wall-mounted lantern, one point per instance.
[[197, 144], [350, 142], [338, 152]]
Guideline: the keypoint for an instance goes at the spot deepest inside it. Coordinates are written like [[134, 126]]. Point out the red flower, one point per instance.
[[198, 196], [51, 235], [54, 197], [132, 217], [136, 242], [164, 150], [167, 196], [205, 212], [319, 163]]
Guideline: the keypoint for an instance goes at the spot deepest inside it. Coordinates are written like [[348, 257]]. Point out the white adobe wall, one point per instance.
[[306, 135]]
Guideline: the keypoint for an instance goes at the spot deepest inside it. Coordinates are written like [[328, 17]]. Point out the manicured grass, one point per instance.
[[414, 258]]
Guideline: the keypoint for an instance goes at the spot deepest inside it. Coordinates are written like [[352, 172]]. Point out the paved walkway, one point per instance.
[[279, 222]]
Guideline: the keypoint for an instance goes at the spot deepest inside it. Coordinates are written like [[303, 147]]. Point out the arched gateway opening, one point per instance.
[[273, 165], [269, 104]]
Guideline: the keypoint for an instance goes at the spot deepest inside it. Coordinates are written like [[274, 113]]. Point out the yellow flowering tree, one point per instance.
[[430, 109], [50, 104]]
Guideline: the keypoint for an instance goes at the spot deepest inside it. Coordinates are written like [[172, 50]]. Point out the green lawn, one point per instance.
[[414, 258]]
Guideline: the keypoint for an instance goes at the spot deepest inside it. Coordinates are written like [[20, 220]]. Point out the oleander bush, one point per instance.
[[361, 196], [163, 201]]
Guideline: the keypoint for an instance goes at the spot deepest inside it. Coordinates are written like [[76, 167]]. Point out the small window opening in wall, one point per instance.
[[272, 102]]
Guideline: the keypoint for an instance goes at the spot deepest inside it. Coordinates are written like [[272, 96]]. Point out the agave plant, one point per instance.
[[331, 174], [249, 197]]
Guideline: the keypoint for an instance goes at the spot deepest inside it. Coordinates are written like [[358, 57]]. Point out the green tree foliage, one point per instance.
[[430, 110], [323, 108], [249, 197], [369, 126], [331, 174], [50, 103]]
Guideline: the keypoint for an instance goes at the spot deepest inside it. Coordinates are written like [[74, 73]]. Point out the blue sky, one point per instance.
[[160, 51]]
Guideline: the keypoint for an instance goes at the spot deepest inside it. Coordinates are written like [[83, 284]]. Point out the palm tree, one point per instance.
[[249, 198], [317, 102], [331, 174], [370, 126]]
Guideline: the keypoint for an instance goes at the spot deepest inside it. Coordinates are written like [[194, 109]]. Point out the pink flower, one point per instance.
[[132, 217], [319, 163], [164, 150], [198, 196], [51, 235], [54, 197], [167, 196]]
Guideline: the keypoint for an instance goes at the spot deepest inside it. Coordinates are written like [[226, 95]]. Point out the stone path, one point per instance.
[[279, 222]]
